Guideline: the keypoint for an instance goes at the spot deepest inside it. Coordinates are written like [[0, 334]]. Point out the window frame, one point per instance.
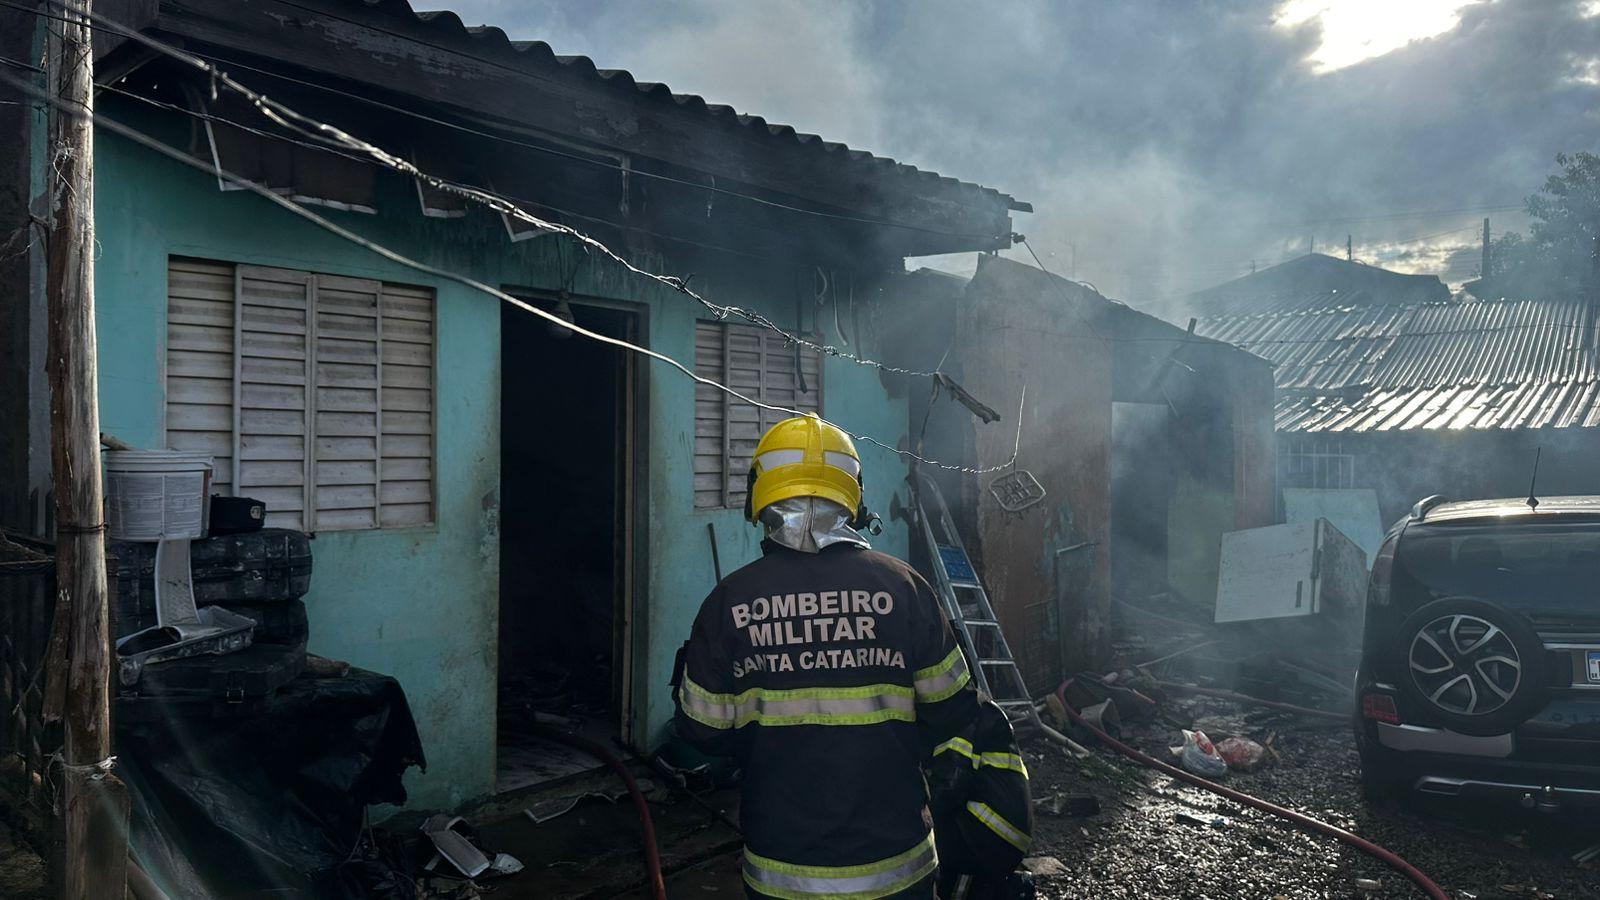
[[313, 385]]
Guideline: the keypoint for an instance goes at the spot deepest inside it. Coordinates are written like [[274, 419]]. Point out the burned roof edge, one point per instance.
[[539, 53]]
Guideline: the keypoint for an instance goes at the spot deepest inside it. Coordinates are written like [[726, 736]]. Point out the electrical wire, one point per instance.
[[21, 65], [316, 130], [194, 162]]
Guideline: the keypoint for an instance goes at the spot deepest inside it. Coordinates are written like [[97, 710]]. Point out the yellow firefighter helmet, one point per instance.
[[804, 457]]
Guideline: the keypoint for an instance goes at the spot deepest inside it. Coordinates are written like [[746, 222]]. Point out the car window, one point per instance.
[[1548, 571]]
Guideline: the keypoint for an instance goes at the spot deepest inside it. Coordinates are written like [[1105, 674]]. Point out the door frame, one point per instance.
[[631, 641]]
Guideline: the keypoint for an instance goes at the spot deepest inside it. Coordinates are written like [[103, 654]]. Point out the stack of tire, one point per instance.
[[259, 574]]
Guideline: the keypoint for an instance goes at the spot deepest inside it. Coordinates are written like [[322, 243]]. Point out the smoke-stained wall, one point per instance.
[[1048, 567], [1202, 465]]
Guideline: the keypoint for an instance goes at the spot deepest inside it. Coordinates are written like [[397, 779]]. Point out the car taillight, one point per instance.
[[1379, 708]]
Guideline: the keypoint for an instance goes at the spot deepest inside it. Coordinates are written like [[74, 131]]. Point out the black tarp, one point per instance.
[[270, 800]]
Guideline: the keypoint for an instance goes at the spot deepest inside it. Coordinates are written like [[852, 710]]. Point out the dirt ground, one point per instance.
[[1156, 838]]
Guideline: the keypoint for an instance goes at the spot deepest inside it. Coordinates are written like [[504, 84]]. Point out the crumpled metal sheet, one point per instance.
[[809, 524]]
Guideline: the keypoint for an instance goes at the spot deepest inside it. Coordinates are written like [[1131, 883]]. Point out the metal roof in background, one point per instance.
[[1314, 281], [1461, 363]]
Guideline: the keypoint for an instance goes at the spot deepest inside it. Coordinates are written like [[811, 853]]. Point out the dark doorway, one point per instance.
[[1143, 479], [566, 445]]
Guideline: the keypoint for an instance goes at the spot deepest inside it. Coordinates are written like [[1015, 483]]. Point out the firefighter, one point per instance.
[[982, 811], [829, 671]]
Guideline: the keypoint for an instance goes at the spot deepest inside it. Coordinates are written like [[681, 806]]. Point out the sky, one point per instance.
[[1166, 145]]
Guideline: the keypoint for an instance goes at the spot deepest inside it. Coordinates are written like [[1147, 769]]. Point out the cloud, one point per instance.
[[1165, 145]]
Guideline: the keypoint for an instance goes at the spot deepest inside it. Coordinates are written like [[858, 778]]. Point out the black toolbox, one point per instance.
[[253, 568], [255, 672]]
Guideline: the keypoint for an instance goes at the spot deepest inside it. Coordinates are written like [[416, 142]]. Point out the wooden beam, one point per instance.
[[530, 89], [94, 850]]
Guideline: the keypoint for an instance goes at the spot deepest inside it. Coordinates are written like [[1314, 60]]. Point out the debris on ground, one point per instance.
[[1199, 756], [1242, 754], [1072, 805], [457, 843], [1044, 866], [1189, 818], [555, 807]]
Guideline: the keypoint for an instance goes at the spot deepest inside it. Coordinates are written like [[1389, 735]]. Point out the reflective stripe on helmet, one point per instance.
[[842, 461], [996, 823], [772, 459], [788, 881], [944, 680], [865, 705]]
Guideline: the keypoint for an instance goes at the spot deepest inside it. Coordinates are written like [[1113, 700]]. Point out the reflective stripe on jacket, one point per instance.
[[830, 677], [982, 807]]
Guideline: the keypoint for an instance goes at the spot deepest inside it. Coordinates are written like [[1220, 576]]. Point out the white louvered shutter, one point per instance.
[[272, 420], [199, 375], [758, 364], [315, 393], [345, 493], [406, 438], [709, 450]]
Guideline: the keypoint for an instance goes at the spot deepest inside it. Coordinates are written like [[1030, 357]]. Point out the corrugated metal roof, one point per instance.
[[1314, 282], [1463, 363], [539, 55]]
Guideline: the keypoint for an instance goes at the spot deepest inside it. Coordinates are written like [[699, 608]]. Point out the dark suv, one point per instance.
[[1480, 662]]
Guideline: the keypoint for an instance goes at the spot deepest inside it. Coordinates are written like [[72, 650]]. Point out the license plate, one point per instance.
[[1594, 666]]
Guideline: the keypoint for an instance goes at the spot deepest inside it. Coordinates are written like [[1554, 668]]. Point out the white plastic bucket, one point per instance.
[[155, 495]]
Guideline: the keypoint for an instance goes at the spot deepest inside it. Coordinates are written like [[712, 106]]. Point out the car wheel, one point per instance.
[[1470, 666]]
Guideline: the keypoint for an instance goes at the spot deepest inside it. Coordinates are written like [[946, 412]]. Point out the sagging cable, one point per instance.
[[194, 162], [316, 129]]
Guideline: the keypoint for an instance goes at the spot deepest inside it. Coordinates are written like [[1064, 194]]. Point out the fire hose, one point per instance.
[[652, 853], [1410, 871]]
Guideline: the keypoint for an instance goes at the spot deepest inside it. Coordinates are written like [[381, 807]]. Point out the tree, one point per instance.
[[1561, 252]]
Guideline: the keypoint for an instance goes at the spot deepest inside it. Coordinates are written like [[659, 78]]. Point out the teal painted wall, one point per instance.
[[421, 604]]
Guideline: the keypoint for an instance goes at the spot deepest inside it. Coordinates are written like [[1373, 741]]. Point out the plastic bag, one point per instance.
[[1199, 757], [1241, 754]]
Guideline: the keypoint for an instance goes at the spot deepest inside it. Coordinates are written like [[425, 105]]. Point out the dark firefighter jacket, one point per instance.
[[830, 677], [982, 808]]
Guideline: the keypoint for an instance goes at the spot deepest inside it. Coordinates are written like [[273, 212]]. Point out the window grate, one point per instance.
[[1323, 464]]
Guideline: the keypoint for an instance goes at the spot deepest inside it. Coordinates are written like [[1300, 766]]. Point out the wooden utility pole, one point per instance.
[[1483, 265], [93, 858]]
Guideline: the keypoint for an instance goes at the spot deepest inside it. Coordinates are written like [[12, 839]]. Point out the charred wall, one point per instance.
[[1048, 567]]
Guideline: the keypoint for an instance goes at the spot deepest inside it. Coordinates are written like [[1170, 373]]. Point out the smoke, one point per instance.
[[1166, 146]]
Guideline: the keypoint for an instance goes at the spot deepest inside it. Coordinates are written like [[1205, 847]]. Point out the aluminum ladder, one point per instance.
[[966, 603]]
